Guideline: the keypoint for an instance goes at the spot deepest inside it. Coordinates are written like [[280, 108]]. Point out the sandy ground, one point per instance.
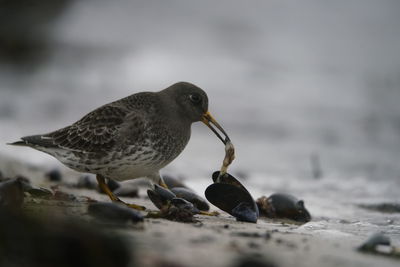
[[212, 241]]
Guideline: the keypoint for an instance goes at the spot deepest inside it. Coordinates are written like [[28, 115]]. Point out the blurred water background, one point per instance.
[[309, 91]]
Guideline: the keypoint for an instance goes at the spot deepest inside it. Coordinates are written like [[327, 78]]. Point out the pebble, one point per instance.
[[373, 241], [87, 181], [192, 197], [54, 175]]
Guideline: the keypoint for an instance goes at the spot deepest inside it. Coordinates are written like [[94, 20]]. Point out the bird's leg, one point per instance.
[[103, 186], [157, 179], [162, 183]]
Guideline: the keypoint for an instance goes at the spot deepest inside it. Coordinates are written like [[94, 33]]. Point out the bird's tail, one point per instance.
[[34, 141], [18, 143]]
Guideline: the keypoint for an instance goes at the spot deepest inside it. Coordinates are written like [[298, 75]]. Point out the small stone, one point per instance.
[[373, 241], [54, 175], [87, 181]]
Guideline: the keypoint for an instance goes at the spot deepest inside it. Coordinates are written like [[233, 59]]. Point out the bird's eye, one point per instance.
[[195, 98]]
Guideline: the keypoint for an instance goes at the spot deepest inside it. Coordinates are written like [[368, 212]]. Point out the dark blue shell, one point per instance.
[[228, 194]]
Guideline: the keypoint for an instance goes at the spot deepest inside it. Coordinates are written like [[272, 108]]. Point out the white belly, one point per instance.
[[119, 166]]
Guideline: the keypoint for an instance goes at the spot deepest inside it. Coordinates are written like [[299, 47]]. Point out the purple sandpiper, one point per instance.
[[133, 137]]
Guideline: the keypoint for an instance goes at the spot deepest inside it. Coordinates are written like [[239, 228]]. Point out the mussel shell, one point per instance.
[[157, 200], [160, 196], [245, 212], [113, 212], [163, 192], [173, 182], [192, 197], [284, 206], [183, 204], [227, 179], [233, 199]]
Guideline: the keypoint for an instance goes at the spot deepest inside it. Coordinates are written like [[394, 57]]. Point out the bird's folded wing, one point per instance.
[[98, 131]]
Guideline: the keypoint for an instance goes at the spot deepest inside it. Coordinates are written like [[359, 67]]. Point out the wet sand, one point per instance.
[[211, 241]]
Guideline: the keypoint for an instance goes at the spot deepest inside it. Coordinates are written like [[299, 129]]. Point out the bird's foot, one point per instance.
[[208, 213], [113, 197], [154, 214], [163, 184], [134, 206]]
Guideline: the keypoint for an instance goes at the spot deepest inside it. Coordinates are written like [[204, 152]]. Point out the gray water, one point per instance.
[[291, 81]]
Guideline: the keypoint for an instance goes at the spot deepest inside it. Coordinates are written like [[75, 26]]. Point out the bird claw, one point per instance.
[[208, 213], [134, 206]]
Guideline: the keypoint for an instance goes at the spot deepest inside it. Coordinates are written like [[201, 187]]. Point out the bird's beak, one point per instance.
[[208, 120]]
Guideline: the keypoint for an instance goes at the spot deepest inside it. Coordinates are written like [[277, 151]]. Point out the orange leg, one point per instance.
[[208, 213], [162, 184], [106, 189]]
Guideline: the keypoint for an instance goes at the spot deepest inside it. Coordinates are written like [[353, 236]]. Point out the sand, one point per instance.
[[211, 241]]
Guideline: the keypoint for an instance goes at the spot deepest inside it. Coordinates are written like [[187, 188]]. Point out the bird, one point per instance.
[[132, 137]]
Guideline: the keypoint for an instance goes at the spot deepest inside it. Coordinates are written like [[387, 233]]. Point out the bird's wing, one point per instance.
[[114, 125], [98, 131]]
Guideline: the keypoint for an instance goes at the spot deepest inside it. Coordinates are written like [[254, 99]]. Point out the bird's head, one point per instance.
[[192, 101]]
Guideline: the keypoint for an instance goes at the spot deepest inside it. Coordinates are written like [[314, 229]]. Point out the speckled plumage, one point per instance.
[[133, 137]]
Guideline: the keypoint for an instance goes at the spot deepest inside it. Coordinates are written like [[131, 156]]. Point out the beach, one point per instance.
[[308, 93], [210, 240]]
